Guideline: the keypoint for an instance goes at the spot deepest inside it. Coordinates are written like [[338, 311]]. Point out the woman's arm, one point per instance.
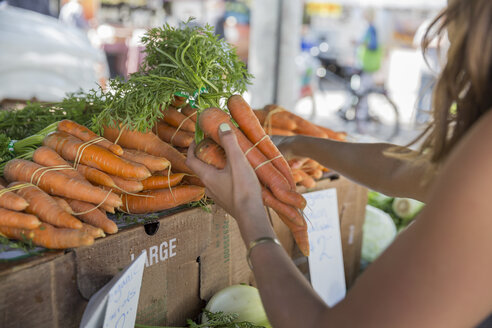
[[436, 273], [366, 164]]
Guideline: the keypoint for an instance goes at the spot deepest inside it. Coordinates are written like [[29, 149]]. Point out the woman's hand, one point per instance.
[[236, 187]]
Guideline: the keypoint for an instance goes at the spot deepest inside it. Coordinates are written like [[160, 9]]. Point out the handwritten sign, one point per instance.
[[115, 305], [326, 257]]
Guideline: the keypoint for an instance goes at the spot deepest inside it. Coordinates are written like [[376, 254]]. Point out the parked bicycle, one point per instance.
[[369, 110]]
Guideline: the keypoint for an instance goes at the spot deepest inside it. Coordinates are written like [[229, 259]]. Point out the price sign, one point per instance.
[[326, 257], [115, 305]]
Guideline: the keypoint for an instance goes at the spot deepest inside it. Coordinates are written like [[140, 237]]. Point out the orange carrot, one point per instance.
[[209, 121], [297, 176], [303, 126], [17, 233], [162, 199], [153, 163], [93, 216], [317, 174], [275, 120], [189, 112], [46, 208], [178, 119], [163, 173], [162, 182], [249, 125], [340, 136], [127, 185], [50, 237], [63, 204], [310, 164], [297, 162], [56, 183], [12, 201], [172, 136], [210, 152], [95, 176], [20, 220], [178, 101], [151, 144], [193, 180], [279, 132], [85, 134], [97, 157], [48, 157], [307, 181], [299, 233], [92, 231], [287, 211]]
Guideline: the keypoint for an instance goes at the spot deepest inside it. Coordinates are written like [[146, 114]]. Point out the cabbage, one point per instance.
[[241, 299], [378, 232]]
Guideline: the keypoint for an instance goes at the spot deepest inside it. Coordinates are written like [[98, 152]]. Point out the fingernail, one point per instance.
[[224, 127]]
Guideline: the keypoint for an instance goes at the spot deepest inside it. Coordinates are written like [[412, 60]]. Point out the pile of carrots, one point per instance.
[[273, 171], [60, 198], [306, 171]]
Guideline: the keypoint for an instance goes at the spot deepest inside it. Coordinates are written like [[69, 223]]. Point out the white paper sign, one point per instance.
[[115, 305], [326, 257]]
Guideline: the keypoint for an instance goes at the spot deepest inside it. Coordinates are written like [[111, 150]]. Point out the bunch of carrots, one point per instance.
[[273, 171], [60, 198], [276, 120]]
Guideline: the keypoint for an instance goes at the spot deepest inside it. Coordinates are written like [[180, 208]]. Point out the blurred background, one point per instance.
[[346, 64]]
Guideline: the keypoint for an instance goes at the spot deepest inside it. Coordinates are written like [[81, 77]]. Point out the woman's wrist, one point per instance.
[[254, 223]]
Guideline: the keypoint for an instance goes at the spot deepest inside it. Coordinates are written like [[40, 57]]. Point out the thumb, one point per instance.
[[229, 142]]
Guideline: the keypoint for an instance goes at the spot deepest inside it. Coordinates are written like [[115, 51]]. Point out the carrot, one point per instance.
[[291, 213], [317, 174], [307, 181], [151, 144], [297, 162], [279, 132], [17, 233], [127, 185], [92, 231], [297, 176], [340, 136], [50, 237], [189, 112], [163, 173], [210, 152], [303, 126], [178, 101], [12, 201], [153, 163], [106, 208], [95, 217], [95, 176], [15, 219], [278, 119], [178, 119], [162, 182], [46, 208], [63, 204], [249, 125], [172, 136], [162, 199], [193, 180], [209, 121], [275, 120], [56, 183], [85, 134], [48, 157], [299, 233], [310, 164], [97, 157]]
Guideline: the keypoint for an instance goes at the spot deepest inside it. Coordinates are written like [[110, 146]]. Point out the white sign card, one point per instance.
[[326, 257], [115, 305]]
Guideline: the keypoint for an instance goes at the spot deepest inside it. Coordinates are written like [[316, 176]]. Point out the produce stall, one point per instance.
[[94, 180]]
